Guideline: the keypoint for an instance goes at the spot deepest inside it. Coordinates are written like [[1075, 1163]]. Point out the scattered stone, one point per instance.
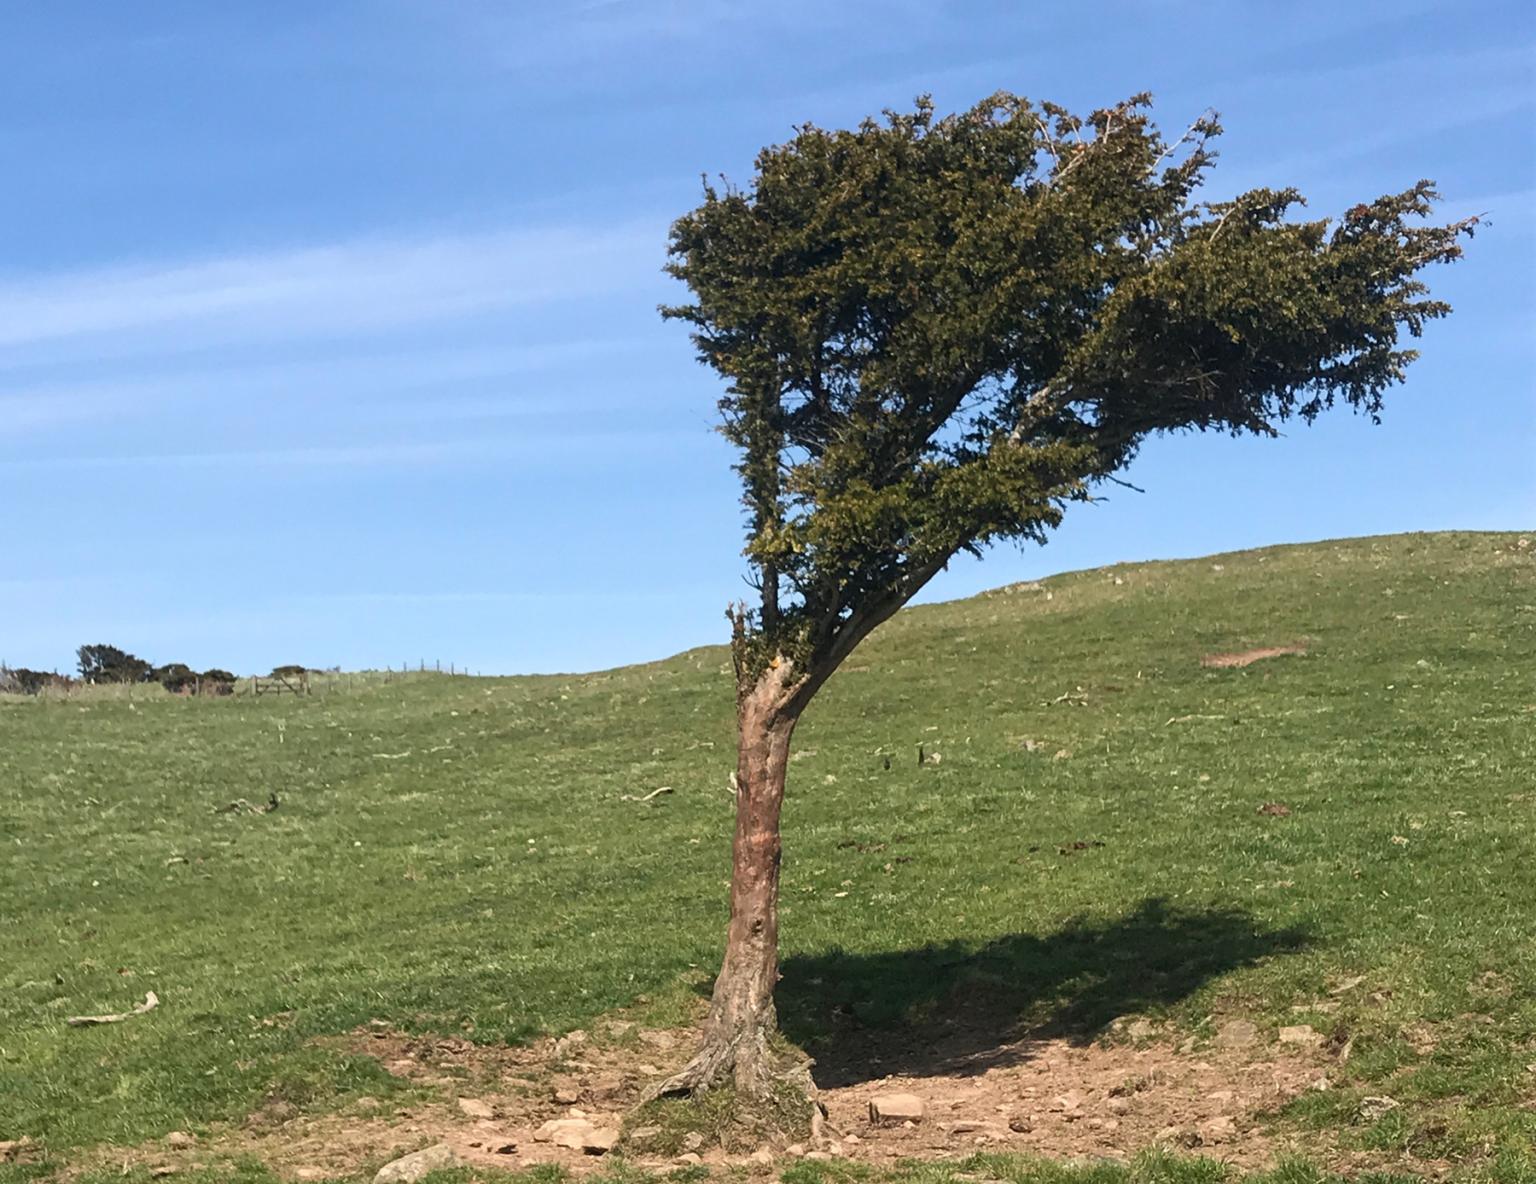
[[1118, 1105], [1373, 1107], [566, 1095], [1237, 1034], [1321, 1085], [1322, 1007], [1218, 1129], [410, 1168], [795, 1149], [600, 1140], [1020, 1125], [972, 1127], [641, 1133], [569, 1043], [1069, 1103], [896, 1108], [692, 1141], [474, 1108], [851, 1138], [689, 1159], [1300, 1034], [818, 1155], [180, 1140]]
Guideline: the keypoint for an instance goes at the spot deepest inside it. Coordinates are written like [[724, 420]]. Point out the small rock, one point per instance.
[[971, 1127], [1118, 1105], [565, 1095], [689, 1159], [474, 1108], [1020, 1125], [1218, 1129], [641, 1133], [600, 1140], [14, 1148], [896, 1108], [795, 1149], [1237, 1034], [180, 1140], [1300, 1034], [692, 1141], [1070, 1102], [410, 1168], [856, 1140], [1321, 1084], [569, 1043], [818, 1155], [1372, 1108]]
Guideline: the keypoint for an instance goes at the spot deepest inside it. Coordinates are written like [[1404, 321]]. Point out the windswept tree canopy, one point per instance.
[[936, 332]]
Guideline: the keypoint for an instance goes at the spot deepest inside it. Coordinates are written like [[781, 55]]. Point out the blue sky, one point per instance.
[[328, 332]]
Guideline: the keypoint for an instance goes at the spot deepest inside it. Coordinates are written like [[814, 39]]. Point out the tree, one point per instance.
[[935, 334], [107, 663]]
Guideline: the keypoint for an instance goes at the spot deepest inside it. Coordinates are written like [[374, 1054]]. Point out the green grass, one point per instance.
[[455, 854]]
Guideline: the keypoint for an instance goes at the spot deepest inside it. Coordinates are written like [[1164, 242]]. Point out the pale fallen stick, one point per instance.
[[151, 1001], [1184, 719], [629, 797]]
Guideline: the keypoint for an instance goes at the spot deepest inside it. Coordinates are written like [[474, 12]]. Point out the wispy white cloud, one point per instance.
[[375, 377], [526, 448], [368, 285]]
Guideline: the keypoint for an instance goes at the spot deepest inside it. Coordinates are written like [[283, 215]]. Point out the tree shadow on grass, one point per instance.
[[962, 1009]]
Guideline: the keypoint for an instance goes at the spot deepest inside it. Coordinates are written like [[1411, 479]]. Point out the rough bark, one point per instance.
[[736, 1042]]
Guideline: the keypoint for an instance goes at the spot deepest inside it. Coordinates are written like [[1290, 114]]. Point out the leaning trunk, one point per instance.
[[735, 1049]]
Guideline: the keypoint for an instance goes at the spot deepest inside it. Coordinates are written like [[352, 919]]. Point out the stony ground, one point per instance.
[[561, 1102]]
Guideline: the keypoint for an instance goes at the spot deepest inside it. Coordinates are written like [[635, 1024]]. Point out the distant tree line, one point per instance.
[[110, 665]]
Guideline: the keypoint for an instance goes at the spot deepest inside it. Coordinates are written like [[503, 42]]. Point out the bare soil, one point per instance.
[[1249, 657], [1052, 1097]]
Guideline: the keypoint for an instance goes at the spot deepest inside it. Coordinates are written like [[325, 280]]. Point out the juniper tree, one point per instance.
[[937, 333]]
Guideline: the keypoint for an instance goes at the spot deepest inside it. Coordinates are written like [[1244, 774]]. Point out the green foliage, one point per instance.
[[176, 677], [936, 332], [108, 664], [406, 889]]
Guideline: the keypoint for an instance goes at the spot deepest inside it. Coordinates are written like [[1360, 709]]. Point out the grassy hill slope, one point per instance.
[[458, 854]]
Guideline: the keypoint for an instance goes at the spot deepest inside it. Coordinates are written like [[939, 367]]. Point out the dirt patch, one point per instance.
[[1249, 657], [1045, 1096]]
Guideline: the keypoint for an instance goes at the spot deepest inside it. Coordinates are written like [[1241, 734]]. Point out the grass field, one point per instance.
[[458, 854]]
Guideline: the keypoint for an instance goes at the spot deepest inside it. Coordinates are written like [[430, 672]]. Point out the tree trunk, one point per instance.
[[735, 1048]]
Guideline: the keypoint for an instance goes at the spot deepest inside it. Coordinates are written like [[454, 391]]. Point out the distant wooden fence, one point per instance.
[[280, 684]]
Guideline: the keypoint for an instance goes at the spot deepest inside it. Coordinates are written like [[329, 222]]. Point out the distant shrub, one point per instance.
[[177, 677], [21, 681], [289, 671], [216, 682], [108, 664]]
